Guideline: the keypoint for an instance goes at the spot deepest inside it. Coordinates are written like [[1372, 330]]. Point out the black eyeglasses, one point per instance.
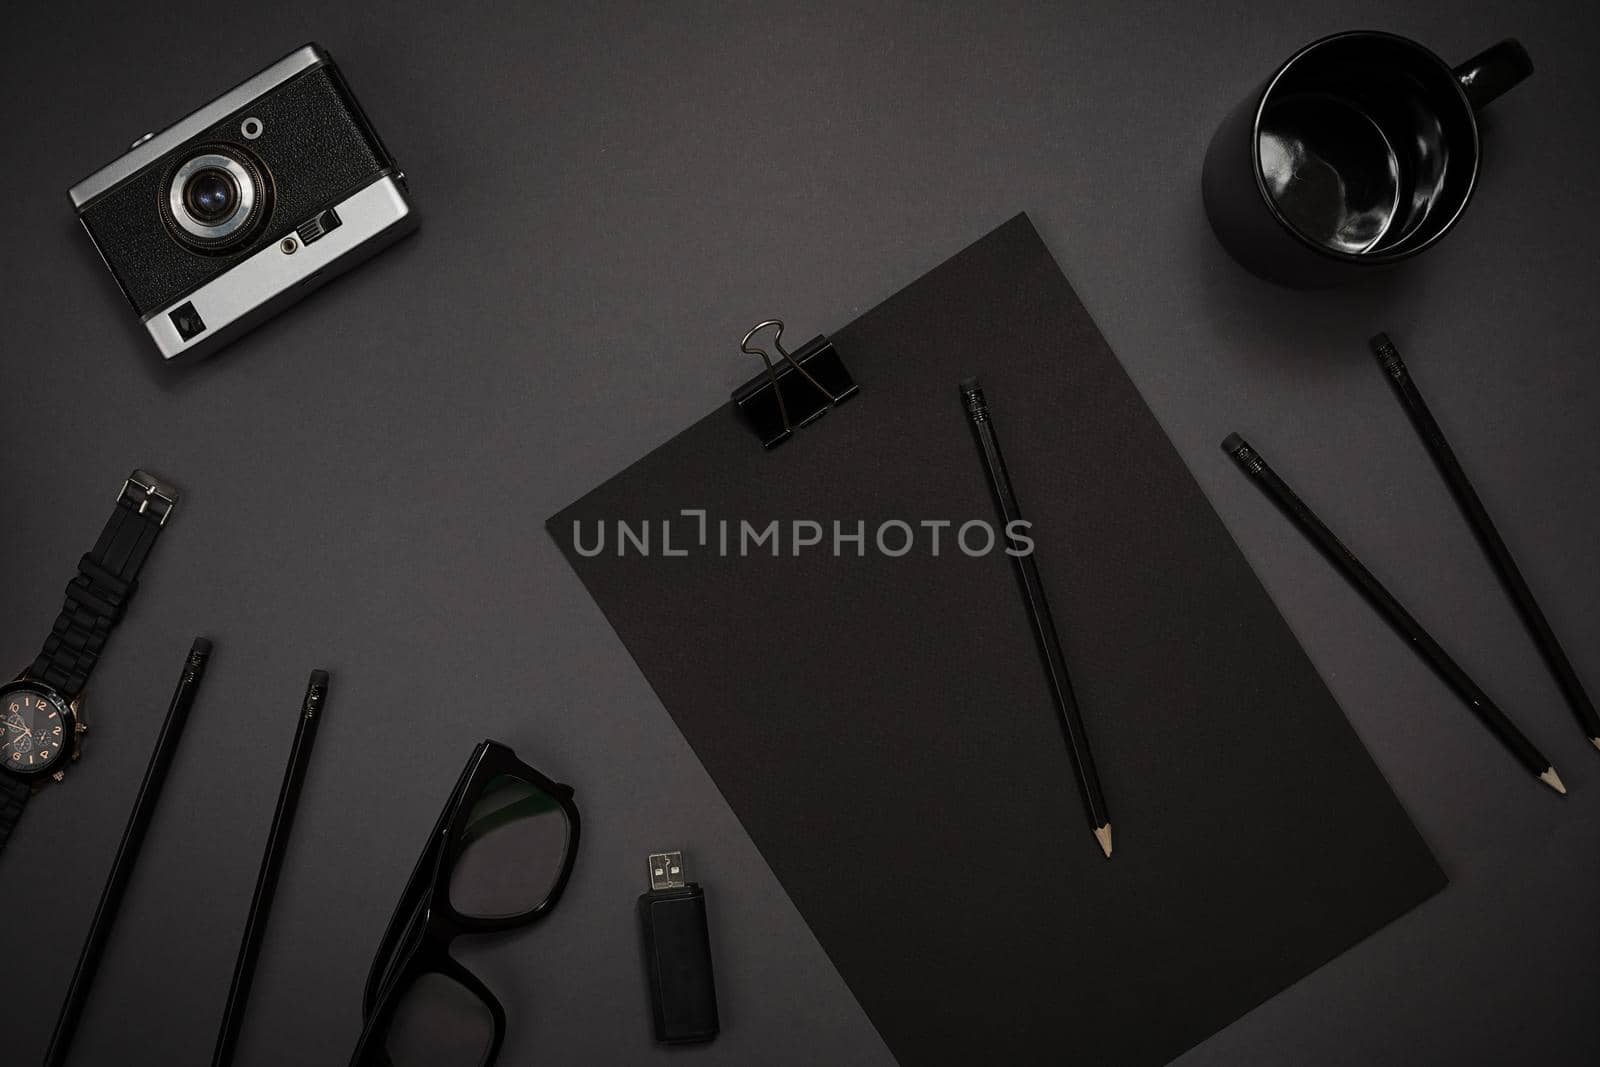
[[497, 859]]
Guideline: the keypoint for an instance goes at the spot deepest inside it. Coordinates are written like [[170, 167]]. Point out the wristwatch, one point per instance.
[[39, 712]]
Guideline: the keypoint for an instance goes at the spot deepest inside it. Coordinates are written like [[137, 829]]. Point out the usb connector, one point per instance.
[[666, 870]]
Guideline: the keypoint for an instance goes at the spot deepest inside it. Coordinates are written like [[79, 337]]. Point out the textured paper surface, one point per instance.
[[883, 729]]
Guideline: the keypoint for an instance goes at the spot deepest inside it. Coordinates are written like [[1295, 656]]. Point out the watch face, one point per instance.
[[37, 725]]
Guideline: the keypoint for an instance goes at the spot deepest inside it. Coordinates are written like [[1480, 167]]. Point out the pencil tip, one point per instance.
[[1102, 834], [1595, 741], [1553, 780]]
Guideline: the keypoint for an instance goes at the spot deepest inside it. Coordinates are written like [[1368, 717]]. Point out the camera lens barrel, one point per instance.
[[215, 198]]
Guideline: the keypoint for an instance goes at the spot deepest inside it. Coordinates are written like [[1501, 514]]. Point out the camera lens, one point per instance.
[[217, 199], [210, 195]]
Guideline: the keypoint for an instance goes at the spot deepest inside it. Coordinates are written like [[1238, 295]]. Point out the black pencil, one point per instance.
[[1493, 545], [1044, 627], [1344, 560], [271, 861], [105, 913]]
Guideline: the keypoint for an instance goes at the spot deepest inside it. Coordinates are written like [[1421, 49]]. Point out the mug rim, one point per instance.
[[1261, 178]]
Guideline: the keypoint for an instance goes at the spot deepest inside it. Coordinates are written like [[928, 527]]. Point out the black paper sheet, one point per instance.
[[882, 727]]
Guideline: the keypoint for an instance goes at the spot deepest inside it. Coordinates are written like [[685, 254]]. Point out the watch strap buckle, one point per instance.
[[144, 492]]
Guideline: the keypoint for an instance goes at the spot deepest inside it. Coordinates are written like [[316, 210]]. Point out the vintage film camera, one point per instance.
[[248, 204]]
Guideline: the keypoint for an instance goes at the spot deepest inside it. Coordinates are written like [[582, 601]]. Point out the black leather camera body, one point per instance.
[[246, 205]]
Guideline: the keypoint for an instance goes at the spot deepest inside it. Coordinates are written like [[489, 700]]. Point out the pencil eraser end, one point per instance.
[[319, 678], [1380, 343], [970, 385], [1232, 443], [202, 646]]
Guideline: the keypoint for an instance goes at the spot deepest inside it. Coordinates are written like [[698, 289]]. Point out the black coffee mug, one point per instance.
[[1359, 151]]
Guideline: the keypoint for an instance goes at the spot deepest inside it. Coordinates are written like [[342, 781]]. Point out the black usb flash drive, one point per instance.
[[677, 950]]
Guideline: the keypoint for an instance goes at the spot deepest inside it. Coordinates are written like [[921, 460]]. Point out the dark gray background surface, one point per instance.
[[610, 198]]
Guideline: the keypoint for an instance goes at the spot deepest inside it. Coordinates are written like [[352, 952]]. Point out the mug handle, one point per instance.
[[1493, 71]]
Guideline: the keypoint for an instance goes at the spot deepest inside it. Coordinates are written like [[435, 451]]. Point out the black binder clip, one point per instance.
[[798, 391]]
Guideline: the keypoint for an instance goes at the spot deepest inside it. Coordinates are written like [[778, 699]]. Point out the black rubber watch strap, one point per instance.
[[106, 579], [14, 793]]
